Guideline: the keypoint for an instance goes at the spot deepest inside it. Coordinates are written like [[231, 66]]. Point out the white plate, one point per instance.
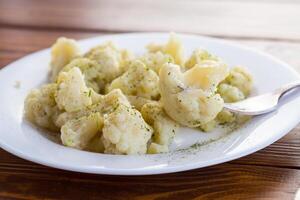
[[25, 141]]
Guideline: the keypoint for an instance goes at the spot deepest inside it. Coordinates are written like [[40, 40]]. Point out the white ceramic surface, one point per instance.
[[23, 140]]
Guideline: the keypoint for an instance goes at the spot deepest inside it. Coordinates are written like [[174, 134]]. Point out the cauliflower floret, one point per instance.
[[89, 69], [187, 101], [62, 52], [72, 93], [164, 127], [153, 48], [226, 116], [240, 78], [138, 102], [230, 93], [209, 126], [138, 80], [112, 62], [198, 56], [173, 47], [105, 104], [156, 60], [109, 61], [127, 58], [125, 132], [40, 107], [206, 75], [96, 144], [78, 133]]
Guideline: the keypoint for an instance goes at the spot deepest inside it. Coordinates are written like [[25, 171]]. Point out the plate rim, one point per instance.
[[163, 170]]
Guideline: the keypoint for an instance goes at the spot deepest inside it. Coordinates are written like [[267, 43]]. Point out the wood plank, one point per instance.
[[283, 153], [225, 181], [7, 57], [259, 19], [24, 41]]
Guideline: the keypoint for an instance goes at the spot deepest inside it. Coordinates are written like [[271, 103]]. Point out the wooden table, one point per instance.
[[270, 25]]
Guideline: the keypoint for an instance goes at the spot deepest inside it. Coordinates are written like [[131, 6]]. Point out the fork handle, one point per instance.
[[284, 89]]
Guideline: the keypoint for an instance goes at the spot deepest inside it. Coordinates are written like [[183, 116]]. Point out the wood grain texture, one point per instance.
[[227, 181], [269, 25], [264, 19], [17, 42]]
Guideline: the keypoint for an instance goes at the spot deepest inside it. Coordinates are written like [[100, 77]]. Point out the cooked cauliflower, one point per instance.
[[164, 127], [230, 93], [78, 133], [225, 116], [240, 78], [209, 126], [125, 132], [138, 102], [156, 60], [40, 107], [62, 52], [95, 144], [72, 93], [89, 68], [138, 80], [173, 48], [187, 101], [198, 56], [206, 75], [111, 60], [154, 47], [106, 104]]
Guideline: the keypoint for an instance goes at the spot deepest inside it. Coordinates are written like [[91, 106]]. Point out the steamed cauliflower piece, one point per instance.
[[209, 126], [62, 52], [198, 56], [173, 48], [105, 104], [138, 102], [230, 93], [239, 77], [78, 133], [112, 62], [236, 86], [226, 116], [125, 132], [89, 68], [184, 99], [138, 80], [206, 75], [40, 107], [95, 144], [156, 60], [164, 127], [72, 94]]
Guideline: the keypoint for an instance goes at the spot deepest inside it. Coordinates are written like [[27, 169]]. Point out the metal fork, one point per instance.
[[261, 104]]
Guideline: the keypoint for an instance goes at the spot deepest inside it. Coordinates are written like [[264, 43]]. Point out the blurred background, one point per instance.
[[22, 21]]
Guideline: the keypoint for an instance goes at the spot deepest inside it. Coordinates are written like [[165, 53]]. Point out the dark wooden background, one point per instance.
[[269, 25]]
